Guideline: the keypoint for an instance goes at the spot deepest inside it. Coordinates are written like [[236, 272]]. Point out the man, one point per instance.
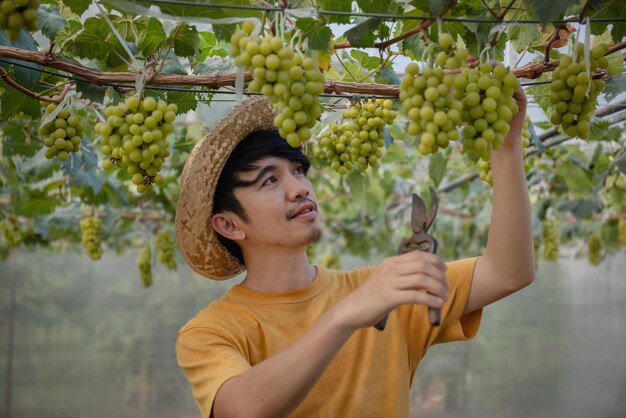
[[294, 339]]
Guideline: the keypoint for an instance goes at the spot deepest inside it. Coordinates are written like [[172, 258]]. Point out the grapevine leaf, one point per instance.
[[362, 35], [319, 40], [152, 38], [581, 208], [339, 6], [77, 6], [365, 60], [50, 20], [377, 6], [33, 203], [224, 32], [437, 168], [88, 155], [388, 138], [620, 163], [210, 47], [547, 11], [437, 6], [13, 142], [13, 102], [597, 128], [616, 61], [612, 10], [172, 65], [387, 76], [26, 41], [522, 36], [575, 178], [91, 41], [187, 42], [414, 46], [185, 101], [90, 91]]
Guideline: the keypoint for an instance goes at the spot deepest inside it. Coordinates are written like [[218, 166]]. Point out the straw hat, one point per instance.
[[195, 236]]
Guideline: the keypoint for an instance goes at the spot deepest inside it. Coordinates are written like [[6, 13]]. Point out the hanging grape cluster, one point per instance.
[[10, 232], [18, 14], [62, 134], [134, 138], [433, 112], [621, 232], [90, 227], [487, 95], [290, 79], [359, 137], [164, 243], [574, 94], [551, 239], [594, 249], [484, 167], [144, 264]]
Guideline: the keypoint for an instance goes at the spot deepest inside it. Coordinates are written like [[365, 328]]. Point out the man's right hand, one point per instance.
[[416, 277]]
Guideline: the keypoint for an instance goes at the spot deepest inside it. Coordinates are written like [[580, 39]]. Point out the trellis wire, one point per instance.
[[379, 15]]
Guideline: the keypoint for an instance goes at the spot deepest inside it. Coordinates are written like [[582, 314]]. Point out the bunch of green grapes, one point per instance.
[[134, 138], [90, 227], [551, 239], [574, 94], [451, 56], [484, 167], [10, 232], [164, 243], [16, 14], [61, 135], [621, 232], [359, 137], [594, 249], [144, 264], [288, 78], [488, 104]]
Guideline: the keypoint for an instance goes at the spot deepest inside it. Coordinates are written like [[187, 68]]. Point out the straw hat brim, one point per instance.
[[196, 239]]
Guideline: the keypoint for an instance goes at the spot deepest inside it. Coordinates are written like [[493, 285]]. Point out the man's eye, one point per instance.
[[270, 180], [300, 169]]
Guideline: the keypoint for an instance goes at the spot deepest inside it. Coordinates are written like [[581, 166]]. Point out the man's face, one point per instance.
[[280, 205]]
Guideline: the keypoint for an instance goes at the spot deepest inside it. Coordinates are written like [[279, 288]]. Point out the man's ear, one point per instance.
[[226, 224]]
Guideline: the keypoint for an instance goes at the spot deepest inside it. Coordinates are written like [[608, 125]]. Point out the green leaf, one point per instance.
[[78, 6], [437, 6], [50, 20], [33, 203], [91, 41], [414, 46], [597, 128], [91, 91], [581, 208], [386, 75], [185, 101], [13, 142], [541, 96], [210, 47], [319, 39], [575, 178], [187, 41], [362, 35], [614, 87], [13, 102], [26, 41], [152, 37], [547, 11], [522, 36], [378, 6], [437, 168], [172, 65], [365, 60], [614, 9], [338, 6]]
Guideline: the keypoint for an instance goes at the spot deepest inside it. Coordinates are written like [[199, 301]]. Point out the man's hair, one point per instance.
[[257, 145]]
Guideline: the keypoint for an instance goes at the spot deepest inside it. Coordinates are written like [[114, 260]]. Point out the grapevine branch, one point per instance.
[[529, 71], [421, 28], [5, 76]]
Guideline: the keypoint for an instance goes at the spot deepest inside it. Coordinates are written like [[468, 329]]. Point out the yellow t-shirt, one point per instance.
[[371, 374]]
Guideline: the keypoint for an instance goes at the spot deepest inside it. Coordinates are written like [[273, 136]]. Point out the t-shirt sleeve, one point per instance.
[[208, 358], [454, 325]]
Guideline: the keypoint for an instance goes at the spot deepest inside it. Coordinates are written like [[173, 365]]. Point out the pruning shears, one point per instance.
[[421, 240]]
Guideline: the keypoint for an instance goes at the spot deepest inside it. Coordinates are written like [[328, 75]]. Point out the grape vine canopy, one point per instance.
[[101, 102]]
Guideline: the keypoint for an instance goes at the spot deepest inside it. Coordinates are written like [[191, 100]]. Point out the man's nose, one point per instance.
[[296, 189]]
